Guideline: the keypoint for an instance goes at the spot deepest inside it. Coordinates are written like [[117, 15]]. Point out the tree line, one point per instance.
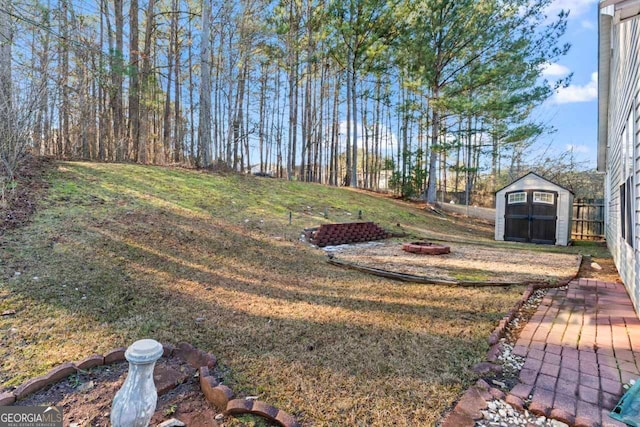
[[414, 95]]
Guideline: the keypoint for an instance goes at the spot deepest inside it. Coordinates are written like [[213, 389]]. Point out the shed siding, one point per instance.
[[533, 182], [624, 90]]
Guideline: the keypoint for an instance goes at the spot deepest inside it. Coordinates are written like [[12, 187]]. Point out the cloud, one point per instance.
[[587, 25], [576, 8], [555, 70], [578, 93], [578, 148]]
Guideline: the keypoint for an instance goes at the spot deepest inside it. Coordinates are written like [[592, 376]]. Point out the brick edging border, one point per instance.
[[217, 394], [475, 398]]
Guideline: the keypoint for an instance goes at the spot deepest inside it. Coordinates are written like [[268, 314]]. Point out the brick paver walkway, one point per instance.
[[580, 346]]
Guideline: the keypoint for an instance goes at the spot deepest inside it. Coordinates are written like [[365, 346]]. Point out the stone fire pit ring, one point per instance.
[[425, 248]]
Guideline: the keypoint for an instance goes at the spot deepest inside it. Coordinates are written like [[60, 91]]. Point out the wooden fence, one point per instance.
[[588, 219]]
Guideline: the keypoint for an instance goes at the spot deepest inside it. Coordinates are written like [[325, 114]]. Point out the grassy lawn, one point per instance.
[[120, 252]]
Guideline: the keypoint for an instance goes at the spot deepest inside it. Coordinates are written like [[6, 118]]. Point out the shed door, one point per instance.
[[530, 216]]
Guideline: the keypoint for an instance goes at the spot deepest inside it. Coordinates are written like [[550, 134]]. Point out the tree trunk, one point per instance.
[[117, 73], [237, 121], [333, 162], [261, 114], [64, 142], [177, 122], [166, 134], [192, 154], [494, 158], [433, 155], [134, 82], [354, 142], [204, 127], [145, 77], [348, 176], [8, 149]]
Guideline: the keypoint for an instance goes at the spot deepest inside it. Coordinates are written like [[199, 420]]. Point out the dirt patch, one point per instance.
[[599, 268], [20, 203], [466, 262], [86, 398]]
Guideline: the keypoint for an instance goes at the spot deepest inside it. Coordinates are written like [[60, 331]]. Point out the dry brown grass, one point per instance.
[[119, 252]]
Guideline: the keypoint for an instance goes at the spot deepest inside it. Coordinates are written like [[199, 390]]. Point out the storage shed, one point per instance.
[[534, 209]]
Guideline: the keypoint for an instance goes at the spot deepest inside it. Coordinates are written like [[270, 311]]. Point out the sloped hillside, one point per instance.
[[118, 252]]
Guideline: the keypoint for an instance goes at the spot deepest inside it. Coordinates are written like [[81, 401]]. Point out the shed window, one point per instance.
[[520, 197], [540, 197]]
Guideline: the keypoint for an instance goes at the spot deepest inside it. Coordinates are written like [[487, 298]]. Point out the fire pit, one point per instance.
[[425, 248]]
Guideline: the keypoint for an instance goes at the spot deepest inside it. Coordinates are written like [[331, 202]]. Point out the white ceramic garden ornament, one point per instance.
[[135, 402]]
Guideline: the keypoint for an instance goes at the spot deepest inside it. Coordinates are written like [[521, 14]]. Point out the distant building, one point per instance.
[[383, 182]]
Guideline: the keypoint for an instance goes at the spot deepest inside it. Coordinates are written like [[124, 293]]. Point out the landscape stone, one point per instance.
[[262, 409], [90, 362], [471, 404], [31, 386], [515, 401], [168, 349], [456, 419], [496, 393], [172, 422], [219, 396], [244, 406], [60, 372], [116, 355], [239, 406], [7, 398], [203, 371], [167, 378], [195, 357]]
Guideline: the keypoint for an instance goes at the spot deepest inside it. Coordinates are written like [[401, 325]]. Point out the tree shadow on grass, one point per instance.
[[334, 347]]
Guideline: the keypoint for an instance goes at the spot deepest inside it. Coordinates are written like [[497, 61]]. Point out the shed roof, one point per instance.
[[535, 174]]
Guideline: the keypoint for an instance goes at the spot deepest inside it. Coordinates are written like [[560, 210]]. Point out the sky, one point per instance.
[[573, 110]]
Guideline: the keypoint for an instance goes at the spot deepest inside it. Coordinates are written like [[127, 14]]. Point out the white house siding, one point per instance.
[[534, 182], [634, 289], [624, 98]]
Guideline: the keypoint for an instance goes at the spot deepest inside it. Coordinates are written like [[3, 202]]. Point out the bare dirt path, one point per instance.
[[466, 262], [18, 205]]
